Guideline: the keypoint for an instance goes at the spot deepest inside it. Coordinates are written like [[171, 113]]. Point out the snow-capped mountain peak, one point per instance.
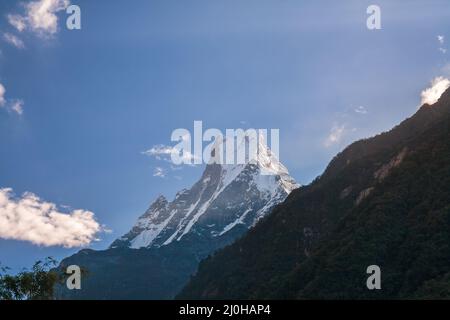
[[224, 203]]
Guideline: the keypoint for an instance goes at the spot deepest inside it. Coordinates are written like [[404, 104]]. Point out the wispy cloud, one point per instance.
[[2, 95], [17, 106], [17, 21], [432, 94], [28, 218], [13, 40], [160, 151], [361, 110], [164, 152], [335, 135], [11, 105], [441, 40], [159, 172]]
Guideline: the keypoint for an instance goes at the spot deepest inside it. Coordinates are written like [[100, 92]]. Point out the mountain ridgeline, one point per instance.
[[383, 201], [155, 259]]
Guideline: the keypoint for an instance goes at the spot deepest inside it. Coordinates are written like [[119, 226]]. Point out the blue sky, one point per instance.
[[94, 99]]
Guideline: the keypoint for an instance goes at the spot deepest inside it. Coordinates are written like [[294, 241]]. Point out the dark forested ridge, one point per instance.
[[382, 201]]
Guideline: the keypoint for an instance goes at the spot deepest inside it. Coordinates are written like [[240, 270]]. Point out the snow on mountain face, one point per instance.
[[227, 198]]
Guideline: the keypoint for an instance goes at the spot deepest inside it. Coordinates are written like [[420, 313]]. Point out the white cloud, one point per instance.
[[28, 218], [17, 22], [11, 105], [159, 172], [15, 41], [360, 110], [2, 95], [17, 106], [160, 151], [40, 16], [432, 94], [163, 152], [441, 40], [335, 136]]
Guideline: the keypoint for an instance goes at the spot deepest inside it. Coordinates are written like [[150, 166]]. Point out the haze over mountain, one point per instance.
[[382, 201]]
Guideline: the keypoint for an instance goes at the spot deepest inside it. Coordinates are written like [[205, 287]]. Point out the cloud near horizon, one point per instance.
[[432, 94], [28, 218]]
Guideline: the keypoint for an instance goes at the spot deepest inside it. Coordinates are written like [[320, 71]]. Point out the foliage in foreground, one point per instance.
[[35, 284]]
